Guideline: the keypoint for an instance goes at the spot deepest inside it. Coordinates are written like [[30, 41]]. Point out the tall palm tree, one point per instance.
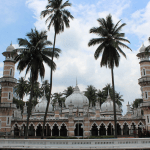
[[21, 88], [32, 57], [58, 16], [110, 42]]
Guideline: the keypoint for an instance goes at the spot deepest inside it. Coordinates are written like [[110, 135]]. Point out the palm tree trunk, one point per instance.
[[29, 106], [114, 104], [51, 73]]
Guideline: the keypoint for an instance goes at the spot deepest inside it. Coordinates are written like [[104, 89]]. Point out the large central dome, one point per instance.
[[76, 98]]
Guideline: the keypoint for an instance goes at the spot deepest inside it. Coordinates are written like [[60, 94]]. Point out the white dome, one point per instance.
[[10, 48], [107, 106], [41, 106], [142, 49], [76, 98]]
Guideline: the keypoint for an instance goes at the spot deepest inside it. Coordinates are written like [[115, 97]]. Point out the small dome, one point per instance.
[[41, 106], [142, 49], [76, 98], [10, 48], [107, 106]]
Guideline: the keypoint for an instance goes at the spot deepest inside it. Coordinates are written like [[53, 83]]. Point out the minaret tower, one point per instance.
[[144, 82], [7, 83]]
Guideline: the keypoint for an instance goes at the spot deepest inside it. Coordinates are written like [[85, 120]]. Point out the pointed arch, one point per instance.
[[64, 124], [93, 124], [110, 123], [103, 124]]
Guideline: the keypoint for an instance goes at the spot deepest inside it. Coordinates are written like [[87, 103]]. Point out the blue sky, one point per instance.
[[17, 17]]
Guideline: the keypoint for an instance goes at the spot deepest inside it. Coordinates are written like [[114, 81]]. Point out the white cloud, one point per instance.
[[77, 58]]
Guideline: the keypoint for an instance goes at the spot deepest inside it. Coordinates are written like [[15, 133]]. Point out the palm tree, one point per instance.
[[46, 88], [58, 97], [68, 91], [100, 97], [21, 88], [32, 57], [118, 99], [90, 93], [58, 17], [110, 42]]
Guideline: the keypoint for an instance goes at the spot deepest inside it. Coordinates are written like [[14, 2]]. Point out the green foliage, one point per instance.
[[68, 91], [21, 88], [19, 103], [45, 88], [58, 96], [110, 41], [90, 93], [118, 97], [137, 102]]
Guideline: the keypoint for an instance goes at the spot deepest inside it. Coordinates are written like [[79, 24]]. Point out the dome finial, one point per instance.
[[11, 43]]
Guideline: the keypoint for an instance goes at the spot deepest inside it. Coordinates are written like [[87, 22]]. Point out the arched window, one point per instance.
[[11, 72], [144, 72], [9, 95], [146, 95], [148, 119], [8, 120]]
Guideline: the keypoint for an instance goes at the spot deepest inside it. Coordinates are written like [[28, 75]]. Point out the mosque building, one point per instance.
[[77, 117]]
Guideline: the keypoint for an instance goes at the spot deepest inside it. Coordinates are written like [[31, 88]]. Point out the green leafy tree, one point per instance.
[[68, 91], [58, 96], [21, 88], [90, 93], [19, 103], [137, 102], [32, 58], [110, 42], [100, 97], [45, 88], [59, 17]]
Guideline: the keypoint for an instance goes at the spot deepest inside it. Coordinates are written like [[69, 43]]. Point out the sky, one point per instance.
[[17, 17]]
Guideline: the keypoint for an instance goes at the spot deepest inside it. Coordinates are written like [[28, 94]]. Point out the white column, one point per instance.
[[106, 131]]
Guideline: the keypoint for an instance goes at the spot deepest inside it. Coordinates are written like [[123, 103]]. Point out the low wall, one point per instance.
[[85, 144]]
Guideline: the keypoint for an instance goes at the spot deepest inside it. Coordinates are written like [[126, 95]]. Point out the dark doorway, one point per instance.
[[39, 130], [125, 129], [16, 130], [102, 130], [118, 129], [47, 131], [63, 130], [55, 130], [133, 129], [78, 130], [94, 130], [31, 131], [110, 129]]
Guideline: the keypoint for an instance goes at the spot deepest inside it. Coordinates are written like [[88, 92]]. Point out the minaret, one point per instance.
[[7, 83], [144, 81]]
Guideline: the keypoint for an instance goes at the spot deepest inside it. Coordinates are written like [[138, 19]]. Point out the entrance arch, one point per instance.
[[110, 129], [63, 130], [78, 130], [102, 130], [55, 130], [94, 130], [125, 129]]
